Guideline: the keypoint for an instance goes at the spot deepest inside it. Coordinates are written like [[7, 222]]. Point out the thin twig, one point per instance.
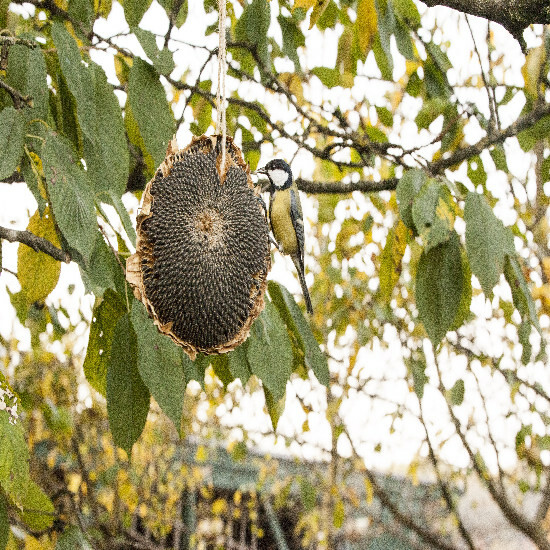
[[529, 528], [39, 244], [19, 100], [432, 538]]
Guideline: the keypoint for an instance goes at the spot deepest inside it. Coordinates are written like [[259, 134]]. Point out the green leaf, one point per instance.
[[407, 189], [308, 494], [328, 77], [499, 157], [275, 408], [487, 242], [383, 60], [37, 272], [433, 213], [403, 39], [408, 12], [4, 521], [27, 74], [134, 10], [78, 77], [37, 512], [523, 300], [160, 364], [529, 137], [82, 11], [269, 351], [390, 259], [150, 109], [12, 137], [72, 539], [70, 194], [238, 363], [106, 153], [439, 283], [376, 135], [466, 297], [417, 368], [33, 174], [127, 396], [63, 106], [253, 25], [103, 271], [99, 115], [456, 393], [220, 364], [476, 171], [293, 38], [106, 313], [162, 60], [430, 110], [299, 327], [14, 455], [385, 116], [524, 332]]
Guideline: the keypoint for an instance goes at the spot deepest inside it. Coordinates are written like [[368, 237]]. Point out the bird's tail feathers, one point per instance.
[[302, 278]]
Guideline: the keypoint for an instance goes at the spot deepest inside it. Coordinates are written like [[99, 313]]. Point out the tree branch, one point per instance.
[[365, 186], [513, 15], [523, 123], [530, 528], [39, 244], [19, 100], [432, 538]]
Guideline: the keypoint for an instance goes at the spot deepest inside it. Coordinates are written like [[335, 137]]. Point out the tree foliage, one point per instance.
[[430, 242]]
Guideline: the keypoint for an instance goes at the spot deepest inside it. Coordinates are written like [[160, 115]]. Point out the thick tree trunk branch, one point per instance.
[[513, 15], [39, 244]]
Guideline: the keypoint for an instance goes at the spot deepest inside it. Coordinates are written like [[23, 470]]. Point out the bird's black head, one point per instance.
[[279, 174]]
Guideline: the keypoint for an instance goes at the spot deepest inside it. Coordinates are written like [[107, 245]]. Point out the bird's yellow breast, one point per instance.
[[281, 222]]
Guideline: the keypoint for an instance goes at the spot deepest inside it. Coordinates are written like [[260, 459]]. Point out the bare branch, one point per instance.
[[365, 186], [533, 530], [430, 537], [526, 121], [39, 244], [445, 491]]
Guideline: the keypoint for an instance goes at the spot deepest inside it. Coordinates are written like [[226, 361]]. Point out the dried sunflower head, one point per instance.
[[202, 253]]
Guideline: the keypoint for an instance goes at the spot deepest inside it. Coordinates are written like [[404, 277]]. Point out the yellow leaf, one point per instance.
[[318, 9], [305, 4], [546, 267], [369, 491], [294, 85], [201, 454], [219, 506], [38, 171], [534, 63], [339, 514], [443, 212], [366, 24], [38, 273], [32, 544]]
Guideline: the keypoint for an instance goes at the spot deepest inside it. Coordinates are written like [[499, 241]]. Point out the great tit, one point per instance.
[[285, 216]]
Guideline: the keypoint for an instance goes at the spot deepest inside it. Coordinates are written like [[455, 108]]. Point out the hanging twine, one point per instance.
[[222, 71]]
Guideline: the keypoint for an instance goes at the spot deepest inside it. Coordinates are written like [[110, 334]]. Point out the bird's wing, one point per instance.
[[298, 222]]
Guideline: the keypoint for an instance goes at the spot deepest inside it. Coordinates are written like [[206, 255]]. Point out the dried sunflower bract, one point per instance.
[[202, 253]]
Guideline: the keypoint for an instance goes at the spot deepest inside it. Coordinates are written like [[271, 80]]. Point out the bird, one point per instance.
[[285, 217]]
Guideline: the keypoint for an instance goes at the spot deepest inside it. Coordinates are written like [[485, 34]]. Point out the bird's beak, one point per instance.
[[262, 171]]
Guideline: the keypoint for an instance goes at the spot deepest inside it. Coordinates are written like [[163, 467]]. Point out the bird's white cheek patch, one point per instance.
[[278, 177]]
